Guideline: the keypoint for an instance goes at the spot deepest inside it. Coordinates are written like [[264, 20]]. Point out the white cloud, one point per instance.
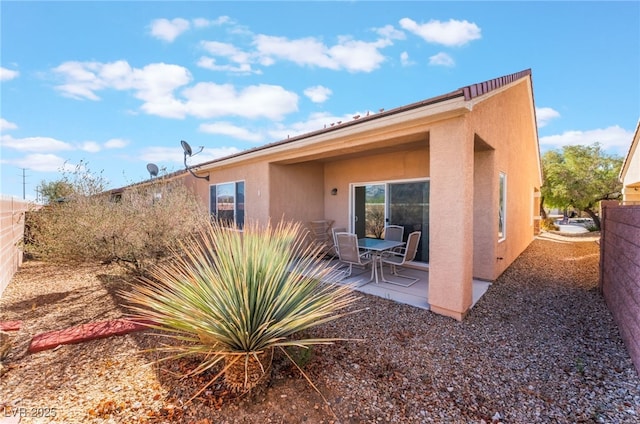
[[208, 100], [6, 125], [42, 162], [389, 32], [545, 114], [90, 146], [228, 50], [210, 63], [404, 59], [228, 129], [451, 33], [115, 143], [347, 54], [241, 59], [169, 30], [351, 55], [441, 59], [203, 22], [156, 84], [318, 94], [8, 74], [612, 138], [34, 144]]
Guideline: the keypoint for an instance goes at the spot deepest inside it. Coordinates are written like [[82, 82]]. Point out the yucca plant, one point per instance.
[[231, 297]]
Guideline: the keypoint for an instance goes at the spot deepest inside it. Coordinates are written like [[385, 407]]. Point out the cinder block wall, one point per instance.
[[12, 214], [620, 271]]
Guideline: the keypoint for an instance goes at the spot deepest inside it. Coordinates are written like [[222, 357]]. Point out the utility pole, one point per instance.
[[24, 183]]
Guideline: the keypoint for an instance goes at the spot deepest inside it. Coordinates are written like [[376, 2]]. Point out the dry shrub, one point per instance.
[[136, 229], [549, 224]]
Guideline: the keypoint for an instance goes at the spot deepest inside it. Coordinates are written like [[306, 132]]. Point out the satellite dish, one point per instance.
[[186, 148], [153, 169], [189, 152]]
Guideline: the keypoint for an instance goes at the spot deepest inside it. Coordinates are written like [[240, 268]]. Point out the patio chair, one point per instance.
[[394, 233], [334, 231], [319, 232], [398, 259], [350, 254]]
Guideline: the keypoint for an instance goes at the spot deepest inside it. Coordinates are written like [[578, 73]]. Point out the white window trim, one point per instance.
[[502, 206]]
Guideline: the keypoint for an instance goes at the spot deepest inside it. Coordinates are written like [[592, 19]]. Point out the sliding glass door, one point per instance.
[[404, 203]]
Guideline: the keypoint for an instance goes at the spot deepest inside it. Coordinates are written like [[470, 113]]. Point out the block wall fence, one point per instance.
[[620, 271], [12, 216]]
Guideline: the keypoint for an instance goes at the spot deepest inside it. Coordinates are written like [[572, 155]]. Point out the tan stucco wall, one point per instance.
[[505, 121], [297, 192], [484, 217], [257, 187], [465, 193], [392, 166], [451, 219], [631, 195]]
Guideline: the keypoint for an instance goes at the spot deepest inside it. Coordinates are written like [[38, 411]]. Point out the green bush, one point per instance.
[[232, 297]]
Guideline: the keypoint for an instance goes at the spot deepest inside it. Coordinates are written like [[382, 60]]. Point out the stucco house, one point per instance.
[[463, 168], [630, 171]]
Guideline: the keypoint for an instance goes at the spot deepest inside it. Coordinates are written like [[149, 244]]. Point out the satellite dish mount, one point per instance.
[[189, 152]]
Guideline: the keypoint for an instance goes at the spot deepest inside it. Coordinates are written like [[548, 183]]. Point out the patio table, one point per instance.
[[377, 246]]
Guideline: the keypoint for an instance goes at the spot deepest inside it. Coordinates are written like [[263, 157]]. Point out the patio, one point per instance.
[[415, 295]]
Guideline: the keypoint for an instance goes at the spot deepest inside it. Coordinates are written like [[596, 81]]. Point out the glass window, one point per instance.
[[502, 207], [226, 203]]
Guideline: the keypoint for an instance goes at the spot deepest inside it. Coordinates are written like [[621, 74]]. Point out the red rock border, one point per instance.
[[84, 333]]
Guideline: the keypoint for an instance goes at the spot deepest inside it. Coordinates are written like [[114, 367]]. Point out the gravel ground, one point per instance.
[[539, 347]]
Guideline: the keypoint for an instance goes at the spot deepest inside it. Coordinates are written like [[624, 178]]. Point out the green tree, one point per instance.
[[580, 177], [53, 190], [78, 181]]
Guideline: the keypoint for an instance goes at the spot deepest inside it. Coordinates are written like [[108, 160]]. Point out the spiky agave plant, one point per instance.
[[233, 297]]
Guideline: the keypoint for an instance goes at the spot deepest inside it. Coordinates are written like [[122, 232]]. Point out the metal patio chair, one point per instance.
[[398, 259]]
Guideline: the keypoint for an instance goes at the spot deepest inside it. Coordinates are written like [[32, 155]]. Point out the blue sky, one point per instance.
[[117, 85]]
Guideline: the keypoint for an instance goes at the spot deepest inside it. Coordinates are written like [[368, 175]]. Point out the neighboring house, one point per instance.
[[630, 171], [463, 167], [182, 174]]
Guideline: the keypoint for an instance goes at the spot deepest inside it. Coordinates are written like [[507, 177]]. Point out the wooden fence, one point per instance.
[[12, 214], [620, 271]]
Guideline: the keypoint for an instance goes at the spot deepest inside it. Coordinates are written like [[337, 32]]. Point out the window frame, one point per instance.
[[238, 202], [502, 206]]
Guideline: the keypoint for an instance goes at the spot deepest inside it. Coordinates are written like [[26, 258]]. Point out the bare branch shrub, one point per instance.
[[136, 228]]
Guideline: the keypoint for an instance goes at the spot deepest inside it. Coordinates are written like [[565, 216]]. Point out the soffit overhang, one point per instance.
[[385, 132]]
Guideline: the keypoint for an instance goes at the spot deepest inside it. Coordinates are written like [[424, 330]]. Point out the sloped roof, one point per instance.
[[468, 92]]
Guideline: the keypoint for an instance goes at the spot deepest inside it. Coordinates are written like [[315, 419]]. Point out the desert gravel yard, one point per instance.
[[539, 347]]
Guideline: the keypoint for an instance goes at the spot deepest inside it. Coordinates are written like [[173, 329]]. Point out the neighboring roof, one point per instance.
[[468, 92], [165, 177], [632, 149]]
